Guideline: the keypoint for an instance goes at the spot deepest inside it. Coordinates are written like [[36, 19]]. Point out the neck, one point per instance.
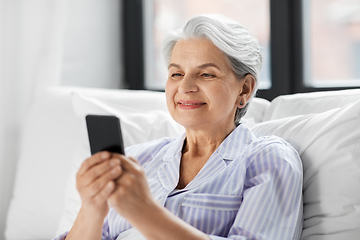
[[204, 142]]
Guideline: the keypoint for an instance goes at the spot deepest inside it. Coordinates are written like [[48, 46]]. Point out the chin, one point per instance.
[[192, 125]]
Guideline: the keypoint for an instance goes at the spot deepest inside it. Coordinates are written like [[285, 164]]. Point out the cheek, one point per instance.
[[170, 91], [217, 92], [224, 96]]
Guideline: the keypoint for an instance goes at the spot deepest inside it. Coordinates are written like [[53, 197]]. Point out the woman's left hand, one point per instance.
[[132, 199], [132, 194]]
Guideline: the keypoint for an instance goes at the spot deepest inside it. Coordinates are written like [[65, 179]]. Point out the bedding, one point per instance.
[[328, 145], [322, 126]]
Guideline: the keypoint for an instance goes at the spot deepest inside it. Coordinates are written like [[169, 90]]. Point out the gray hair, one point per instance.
[[241, 50]]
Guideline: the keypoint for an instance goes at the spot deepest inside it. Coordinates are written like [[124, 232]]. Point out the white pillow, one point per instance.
[[329, 146], [306, 103], [48, 136], [137, 125], [256, 111]]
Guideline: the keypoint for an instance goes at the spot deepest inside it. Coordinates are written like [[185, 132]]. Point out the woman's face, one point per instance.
[[202, 91]]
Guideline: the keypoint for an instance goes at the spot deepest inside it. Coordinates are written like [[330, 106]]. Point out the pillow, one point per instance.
[[256, 111], [306, 103], [137, 125], [135, 99], [132, 113], [48, 136], [328, 144]]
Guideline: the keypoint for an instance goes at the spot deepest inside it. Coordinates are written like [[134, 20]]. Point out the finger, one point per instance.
[[133, 159], [128, 163], [99, 170], [93, 160], [105, 192], [97, 186]]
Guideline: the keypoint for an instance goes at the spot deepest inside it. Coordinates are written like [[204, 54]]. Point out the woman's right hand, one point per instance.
[[95, 182]]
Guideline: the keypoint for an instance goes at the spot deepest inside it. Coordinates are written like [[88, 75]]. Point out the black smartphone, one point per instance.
[[104, 134]]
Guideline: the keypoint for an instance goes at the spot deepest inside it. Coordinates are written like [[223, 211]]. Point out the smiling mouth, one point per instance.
[[191, 104]]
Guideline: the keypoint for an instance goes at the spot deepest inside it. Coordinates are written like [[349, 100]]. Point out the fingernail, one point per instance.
[[116, 170], [114, 162], [104, 156]]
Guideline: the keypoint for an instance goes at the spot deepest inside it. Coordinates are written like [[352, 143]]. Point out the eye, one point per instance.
[[174, 75], [207, 75]]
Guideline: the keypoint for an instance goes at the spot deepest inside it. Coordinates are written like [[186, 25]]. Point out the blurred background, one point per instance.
[[308, 45], [326, 31]]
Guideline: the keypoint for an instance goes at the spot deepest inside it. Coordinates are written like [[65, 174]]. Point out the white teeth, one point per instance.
[[191, 104], [188, 104]]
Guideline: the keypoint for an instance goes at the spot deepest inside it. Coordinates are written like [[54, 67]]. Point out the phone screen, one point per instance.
[[104, 134]]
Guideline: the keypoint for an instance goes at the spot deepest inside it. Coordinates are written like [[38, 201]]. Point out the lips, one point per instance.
[[190, 104]]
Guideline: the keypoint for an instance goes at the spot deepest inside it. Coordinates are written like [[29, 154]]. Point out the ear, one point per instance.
[[247, 88]]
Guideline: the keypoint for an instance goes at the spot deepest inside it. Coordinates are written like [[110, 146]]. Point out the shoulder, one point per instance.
[[272, 143], [274, 163], [144, 152], [274, 152], [266, 148]]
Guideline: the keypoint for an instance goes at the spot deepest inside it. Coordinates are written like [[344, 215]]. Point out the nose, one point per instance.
[[188, 85]]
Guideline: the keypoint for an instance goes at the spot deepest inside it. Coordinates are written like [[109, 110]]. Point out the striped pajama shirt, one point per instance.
[[250, 188]]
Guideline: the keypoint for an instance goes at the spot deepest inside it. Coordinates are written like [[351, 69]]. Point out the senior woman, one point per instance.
[[218, 180]]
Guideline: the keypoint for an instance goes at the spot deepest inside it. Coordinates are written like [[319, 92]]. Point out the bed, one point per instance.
[[322, 126]]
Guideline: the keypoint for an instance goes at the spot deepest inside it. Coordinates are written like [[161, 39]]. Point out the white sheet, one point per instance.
[[132, 234]]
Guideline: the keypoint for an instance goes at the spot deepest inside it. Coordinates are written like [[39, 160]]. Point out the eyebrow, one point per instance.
[[209, 65], [173, 65], [205, 65]]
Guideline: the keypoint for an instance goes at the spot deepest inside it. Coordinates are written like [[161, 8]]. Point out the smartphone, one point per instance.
[[104, 134]]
